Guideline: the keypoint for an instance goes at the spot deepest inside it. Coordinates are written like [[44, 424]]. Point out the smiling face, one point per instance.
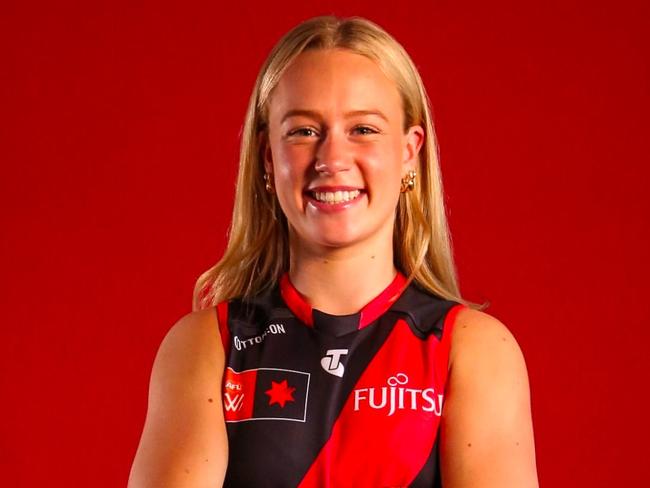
[[337, 149]]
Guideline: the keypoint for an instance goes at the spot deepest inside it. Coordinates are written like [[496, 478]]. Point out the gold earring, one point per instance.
[[408, 182], [268, 182]]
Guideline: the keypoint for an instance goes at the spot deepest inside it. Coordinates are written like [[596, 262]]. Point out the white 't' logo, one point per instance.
[[331, 362]]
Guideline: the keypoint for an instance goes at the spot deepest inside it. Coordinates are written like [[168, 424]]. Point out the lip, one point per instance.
[[333, 207]]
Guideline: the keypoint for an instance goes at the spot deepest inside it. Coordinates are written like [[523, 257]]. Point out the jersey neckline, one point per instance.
[[301, 308]]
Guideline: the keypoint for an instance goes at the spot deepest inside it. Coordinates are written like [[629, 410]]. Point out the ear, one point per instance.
[[414, 138], [265, 150]]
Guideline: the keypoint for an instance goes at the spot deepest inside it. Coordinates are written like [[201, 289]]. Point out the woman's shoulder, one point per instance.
[[185, 384], [487, 380], [196, 322], [485, 356], [479, 337], [194, 335]]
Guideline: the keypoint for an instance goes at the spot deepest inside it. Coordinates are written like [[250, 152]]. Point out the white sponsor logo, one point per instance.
[[332, 362], [244, 343], [396, 396]]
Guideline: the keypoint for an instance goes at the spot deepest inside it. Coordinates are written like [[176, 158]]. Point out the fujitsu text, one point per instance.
[[397, 396]]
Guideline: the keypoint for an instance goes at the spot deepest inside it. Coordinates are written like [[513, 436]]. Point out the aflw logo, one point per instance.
[[396, 396], [332, 362], [233, 402]]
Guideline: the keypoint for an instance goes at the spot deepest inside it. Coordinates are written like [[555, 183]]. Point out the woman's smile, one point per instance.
[[333, 198]]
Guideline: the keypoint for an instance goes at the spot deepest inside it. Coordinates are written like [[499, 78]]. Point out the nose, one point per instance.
[[332, 154]]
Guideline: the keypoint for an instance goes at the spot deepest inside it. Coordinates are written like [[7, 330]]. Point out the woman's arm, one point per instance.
[[184, 443], [487, 433]]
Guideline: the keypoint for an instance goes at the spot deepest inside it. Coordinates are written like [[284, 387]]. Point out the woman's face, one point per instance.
[[337, 149]]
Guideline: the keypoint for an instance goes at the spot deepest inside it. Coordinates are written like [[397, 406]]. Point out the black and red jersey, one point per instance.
[[318, 400]]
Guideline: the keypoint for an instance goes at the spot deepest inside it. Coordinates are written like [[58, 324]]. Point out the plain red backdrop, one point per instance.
[[119, 138]]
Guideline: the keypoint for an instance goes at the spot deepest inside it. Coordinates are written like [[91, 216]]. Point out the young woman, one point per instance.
[[330, 346]]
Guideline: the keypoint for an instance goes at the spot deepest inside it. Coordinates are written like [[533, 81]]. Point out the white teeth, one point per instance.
[[336, 196]]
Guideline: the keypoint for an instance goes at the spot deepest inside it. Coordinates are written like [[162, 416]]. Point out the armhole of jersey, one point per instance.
[[445, 342], [224, 331]]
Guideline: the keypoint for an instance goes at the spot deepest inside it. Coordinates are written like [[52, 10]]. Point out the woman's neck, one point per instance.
[[342, 281]]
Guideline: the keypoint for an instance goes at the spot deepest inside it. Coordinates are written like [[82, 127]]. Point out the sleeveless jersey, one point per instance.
[[318, 400]]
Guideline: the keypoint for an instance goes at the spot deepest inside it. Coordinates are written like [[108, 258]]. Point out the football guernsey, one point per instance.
[[318, 400]]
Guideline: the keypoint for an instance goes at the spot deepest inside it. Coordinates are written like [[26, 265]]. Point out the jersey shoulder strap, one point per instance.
[[254, 312], [425, 312]]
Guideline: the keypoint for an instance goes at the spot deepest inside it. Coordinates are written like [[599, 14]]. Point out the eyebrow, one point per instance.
[[315, 115]]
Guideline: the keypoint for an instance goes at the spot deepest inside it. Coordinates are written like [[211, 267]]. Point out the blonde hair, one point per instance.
[[258, 244]]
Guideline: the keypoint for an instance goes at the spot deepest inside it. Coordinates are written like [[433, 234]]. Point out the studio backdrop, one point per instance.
[[119, 141]]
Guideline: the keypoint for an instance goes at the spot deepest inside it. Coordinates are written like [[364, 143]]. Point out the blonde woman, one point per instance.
[[330, 346]]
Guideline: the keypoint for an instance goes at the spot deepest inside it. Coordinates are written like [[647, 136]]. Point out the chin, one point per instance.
[[338, 235], [337, 242], [339, 238]]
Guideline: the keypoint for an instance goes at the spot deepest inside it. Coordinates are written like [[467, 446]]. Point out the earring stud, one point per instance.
[[268, 182], [408, 182]]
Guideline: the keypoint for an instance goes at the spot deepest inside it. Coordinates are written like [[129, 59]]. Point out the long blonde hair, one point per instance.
[[258, 244]]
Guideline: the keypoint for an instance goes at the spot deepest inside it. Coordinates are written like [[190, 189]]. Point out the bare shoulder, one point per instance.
[[192, 341], [480, 338], [487, 365], [183, 442], [190, 351], [487, 433], [200, 323]]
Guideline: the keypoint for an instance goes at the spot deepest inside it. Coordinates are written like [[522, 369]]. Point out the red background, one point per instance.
[[119, 137]]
